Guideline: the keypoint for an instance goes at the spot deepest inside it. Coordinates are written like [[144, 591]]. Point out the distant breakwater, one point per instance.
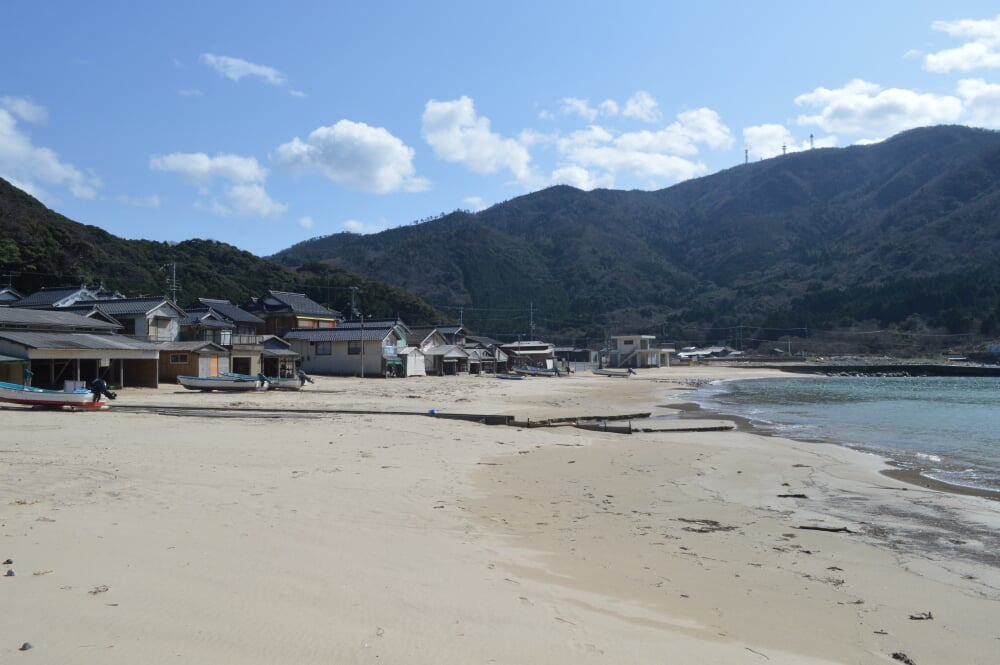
[[893, 370]]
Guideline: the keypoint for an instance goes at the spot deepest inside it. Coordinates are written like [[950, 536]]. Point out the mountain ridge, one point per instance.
[[760, 243]]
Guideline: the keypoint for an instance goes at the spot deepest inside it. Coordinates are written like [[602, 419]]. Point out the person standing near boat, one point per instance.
[[28, 375]]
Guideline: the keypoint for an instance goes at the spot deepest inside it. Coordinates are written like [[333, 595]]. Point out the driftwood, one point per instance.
[[903, 658], [831, 529], [923, 616], [792, 496]]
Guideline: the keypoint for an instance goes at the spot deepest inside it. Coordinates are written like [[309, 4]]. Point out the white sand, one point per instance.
[[142, 537]]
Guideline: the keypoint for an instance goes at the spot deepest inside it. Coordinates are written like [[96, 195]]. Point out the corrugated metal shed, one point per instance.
[[42, 318], [75, 341]]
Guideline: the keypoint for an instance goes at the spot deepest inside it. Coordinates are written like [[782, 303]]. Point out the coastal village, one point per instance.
[[65, 337]]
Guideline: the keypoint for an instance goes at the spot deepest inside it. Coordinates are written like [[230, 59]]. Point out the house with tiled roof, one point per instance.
[[154, 319], [206, 325], [244, 322], [283, 311], [50, 297], [9, 295], [369, 349]]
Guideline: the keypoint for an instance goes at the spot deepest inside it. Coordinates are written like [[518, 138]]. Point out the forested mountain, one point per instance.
[[39, 247], [904, 233]]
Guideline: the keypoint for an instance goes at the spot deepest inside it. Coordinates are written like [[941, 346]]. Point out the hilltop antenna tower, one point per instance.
[[811, 146], [746, 155]]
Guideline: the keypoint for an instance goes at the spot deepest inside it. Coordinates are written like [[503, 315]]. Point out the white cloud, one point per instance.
[[248, 200], [580, 107], [865, 108], [593, 156], [356, 156], [152, 201], [201, 168], [608, 107], [457, 134], [306, 222], [190, 92], [765, 141], [236, 69], [356, 226], [243, 195], [581, 178], [642, 106], [982, 51], [25, 109], [475, 203], [29, 165], [982, 102]]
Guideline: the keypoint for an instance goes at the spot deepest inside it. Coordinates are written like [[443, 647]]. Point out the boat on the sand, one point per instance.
[[79, 398], [229, 383]]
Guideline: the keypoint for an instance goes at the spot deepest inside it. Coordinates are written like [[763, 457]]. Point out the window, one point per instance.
[[322, 348], [178, 359], [354, 347]]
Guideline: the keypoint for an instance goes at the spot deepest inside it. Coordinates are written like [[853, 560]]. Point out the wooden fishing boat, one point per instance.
[[514, 377], [623, 373], [535, 371], [42, 397], [272, 382], [231, 383]]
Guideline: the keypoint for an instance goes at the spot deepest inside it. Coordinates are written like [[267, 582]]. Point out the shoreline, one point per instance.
[[912, 476], [342, 534]]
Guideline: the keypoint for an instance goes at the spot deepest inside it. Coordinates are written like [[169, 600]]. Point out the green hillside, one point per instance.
[[903, 233], [39, 247]]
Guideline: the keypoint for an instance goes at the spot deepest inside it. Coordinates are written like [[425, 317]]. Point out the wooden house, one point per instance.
[[191, 359], [283, 311]]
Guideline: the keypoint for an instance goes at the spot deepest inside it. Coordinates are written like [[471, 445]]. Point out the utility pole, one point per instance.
[[172, 281], [362, 344], [531, 320]]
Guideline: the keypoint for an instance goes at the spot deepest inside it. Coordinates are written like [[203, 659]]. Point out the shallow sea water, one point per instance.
[[946, 428]]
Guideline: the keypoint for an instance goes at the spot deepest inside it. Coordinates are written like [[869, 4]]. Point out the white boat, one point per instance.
[[273, 382], [284, 383], [231, 383], [624, 373], [28, 395]]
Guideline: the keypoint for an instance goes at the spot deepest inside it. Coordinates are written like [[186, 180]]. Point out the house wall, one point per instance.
[[170, 371], [339, 362]]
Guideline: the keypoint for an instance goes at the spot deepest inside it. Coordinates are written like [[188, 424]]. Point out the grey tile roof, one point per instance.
[[45, 318], [75, 341], [124, 306], [339, 334], [48, 295], [198, 318], [191, 346], [227, 310], [376, 323], [298, 303]]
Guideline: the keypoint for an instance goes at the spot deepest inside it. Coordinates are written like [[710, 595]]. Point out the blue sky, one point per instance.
[[262, 124]]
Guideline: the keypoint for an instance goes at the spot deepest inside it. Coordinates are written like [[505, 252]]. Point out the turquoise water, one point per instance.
[[946, 428]]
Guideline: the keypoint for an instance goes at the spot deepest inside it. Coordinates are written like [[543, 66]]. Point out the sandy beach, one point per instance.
[[342, 524]]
